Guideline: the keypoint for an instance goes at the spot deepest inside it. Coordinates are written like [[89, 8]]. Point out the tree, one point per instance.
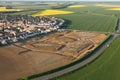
[[9, 7]]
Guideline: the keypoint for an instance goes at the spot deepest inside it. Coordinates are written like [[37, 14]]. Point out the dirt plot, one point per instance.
[[38, 55]]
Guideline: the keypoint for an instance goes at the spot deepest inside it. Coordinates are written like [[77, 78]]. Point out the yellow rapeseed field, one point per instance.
[[117, 9], [107, 5], [4, 9], [99, 5], [51, 12], [77, 6]]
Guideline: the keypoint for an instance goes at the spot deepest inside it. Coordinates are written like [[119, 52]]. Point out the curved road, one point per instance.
[[81, 64]]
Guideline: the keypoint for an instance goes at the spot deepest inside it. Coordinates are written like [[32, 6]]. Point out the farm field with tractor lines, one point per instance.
[[90, 22]]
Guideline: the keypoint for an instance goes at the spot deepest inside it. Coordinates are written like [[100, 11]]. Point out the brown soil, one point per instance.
[[38, 55]]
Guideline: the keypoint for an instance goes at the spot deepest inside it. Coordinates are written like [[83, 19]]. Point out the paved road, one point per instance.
[[81, 64], [118, 26]]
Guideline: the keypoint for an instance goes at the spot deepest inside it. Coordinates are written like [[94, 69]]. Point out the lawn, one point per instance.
[[106, 67]]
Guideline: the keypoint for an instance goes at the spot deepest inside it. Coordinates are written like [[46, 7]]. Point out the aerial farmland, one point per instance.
[[59, 40]]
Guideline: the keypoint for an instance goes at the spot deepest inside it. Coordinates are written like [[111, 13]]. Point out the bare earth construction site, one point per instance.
[[45, 53]]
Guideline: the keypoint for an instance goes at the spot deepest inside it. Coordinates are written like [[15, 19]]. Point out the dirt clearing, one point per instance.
[[41, 54]]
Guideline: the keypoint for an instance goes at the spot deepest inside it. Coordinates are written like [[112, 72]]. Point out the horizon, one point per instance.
[[66, 0]]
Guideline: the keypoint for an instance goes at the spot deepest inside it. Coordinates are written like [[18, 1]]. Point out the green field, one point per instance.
[[92, 9], [91, 18], [106, 67], [90, 22]]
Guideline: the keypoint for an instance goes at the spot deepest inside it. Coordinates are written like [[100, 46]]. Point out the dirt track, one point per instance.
[[39, 55]]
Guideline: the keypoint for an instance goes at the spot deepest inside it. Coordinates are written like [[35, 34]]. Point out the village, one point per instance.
[[14, 28]]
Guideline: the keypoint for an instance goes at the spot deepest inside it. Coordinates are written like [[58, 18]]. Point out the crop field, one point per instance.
[[51, 12], [28, 5], [106, 67], [94, 8], [3, 9], [118, 8], [90, 22], [77, 6], [108, 5]]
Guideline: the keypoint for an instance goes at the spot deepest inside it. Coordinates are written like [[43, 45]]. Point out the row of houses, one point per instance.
[[14, 28]]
